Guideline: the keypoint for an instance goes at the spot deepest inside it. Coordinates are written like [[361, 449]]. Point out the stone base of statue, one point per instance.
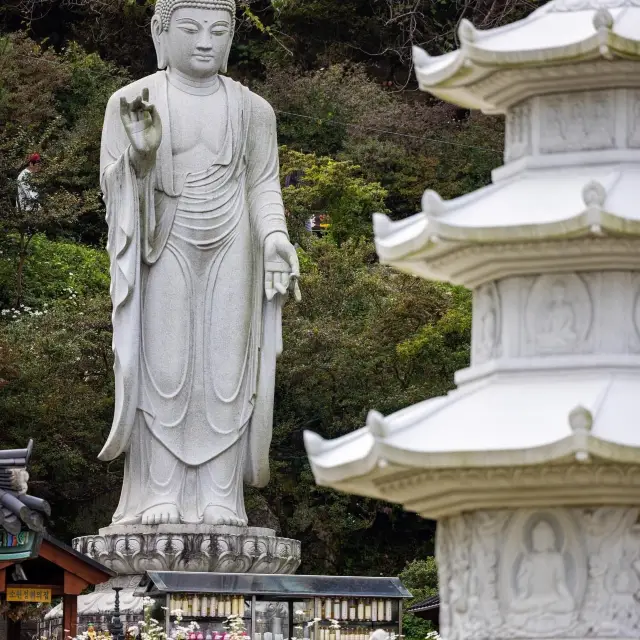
[[132, 550]]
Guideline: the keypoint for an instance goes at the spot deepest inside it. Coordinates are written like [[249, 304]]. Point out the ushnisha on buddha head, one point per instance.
[[193, 37]]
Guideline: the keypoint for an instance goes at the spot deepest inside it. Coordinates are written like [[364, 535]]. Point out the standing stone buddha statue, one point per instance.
[[201, 263]]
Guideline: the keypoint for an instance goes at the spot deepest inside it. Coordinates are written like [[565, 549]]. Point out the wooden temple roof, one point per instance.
[[18, 510]]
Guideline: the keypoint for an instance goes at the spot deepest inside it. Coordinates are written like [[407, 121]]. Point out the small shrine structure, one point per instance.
[[35, 567], [532, 465]]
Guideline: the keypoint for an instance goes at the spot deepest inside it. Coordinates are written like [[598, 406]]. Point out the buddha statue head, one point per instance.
[[543, 537], [194, 37]]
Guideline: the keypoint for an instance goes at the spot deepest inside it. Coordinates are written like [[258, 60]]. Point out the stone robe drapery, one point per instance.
[[141, 214]]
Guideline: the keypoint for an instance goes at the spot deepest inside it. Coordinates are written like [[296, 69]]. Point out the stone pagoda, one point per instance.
[[532, 465]]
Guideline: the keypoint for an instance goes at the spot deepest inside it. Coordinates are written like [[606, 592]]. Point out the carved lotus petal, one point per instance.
[[196, 562], [128, 545], [133, 554], [230, 563], [118, 564], [144, 562]]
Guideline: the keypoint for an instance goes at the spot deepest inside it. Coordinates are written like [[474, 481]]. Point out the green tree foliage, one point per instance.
[[421, 578], [53, 104], [56, 363], [53, 271], [341, 112], [333, 188], [342, 357], [361, 139]]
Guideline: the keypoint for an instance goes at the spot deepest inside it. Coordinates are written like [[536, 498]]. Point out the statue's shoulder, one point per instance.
[[262, 112], [260, 108]]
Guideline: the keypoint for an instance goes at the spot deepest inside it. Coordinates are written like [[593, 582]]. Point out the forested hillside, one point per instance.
[[351, 121]]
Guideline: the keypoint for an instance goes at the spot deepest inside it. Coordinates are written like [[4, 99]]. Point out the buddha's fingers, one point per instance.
[[278, 283], [297, 294], [268, 285], [125, 110]]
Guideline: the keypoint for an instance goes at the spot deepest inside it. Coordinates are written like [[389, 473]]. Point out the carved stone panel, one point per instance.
[[558, 314], [578, 121], [633, 116], [518, 132], [487, 323], [635, 342], [555, 573], [542, 572], [582, 121]]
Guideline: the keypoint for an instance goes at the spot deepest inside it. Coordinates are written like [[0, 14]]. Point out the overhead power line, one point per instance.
[[391, 133]]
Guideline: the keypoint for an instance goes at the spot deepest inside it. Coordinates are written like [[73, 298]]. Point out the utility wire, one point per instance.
[[334, 122], [391, 133]]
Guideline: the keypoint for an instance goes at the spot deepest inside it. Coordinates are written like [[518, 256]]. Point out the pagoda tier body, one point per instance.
[[532, 465]]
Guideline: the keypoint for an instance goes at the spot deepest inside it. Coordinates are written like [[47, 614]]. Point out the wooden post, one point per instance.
[[69, 616], [14, 628]]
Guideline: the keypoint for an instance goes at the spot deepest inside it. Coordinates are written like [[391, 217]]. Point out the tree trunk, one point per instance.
[[22, 258]]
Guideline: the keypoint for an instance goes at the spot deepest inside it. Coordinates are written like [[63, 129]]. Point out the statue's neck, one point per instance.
[[194, 86]]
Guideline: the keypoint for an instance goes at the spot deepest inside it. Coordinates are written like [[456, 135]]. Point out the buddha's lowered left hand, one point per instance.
[[281, 266]]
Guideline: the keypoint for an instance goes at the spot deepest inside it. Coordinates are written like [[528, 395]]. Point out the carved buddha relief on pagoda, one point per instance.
[[487, 322], [570, 122], [547, 573], [560, 314]]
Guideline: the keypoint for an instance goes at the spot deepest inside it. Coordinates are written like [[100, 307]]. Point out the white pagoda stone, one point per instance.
[[532, 464]]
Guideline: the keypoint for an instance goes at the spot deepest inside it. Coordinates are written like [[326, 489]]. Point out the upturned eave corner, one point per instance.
[[458, 76], [580, 429]]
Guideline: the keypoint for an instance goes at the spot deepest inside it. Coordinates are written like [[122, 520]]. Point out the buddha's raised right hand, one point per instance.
[[144, 130]]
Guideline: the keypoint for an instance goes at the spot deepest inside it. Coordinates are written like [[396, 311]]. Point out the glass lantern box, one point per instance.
[[279, 607]]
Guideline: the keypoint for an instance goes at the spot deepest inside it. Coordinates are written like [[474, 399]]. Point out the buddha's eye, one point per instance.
[[220, 32], [188, 29]]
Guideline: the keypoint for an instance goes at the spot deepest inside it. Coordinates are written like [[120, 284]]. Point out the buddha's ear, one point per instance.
[[225, 62], [158, 35]]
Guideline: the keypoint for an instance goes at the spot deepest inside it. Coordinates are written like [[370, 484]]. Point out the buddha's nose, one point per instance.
[[205, 42]]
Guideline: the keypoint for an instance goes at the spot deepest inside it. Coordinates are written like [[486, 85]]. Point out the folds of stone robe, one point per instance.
[[202, 223]]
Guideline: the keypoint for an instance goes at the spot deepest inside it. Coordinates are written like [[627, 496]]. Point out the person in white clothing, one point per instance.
[[27, 194]]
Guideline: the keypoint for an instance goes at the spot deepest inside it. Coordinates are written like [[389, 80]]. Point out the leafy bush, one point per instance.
[[341, 359], [405, 145], [421, 578], [58, 389], [333, 188], [55, 270]]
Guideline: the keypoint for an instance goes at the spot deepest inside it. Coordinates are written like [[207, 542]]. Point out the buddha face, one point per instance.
[[197, 42], [543, 537]]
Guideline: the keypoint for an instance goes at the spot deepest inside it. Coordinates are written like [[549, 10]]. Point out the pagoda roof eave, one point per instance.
[[539, 40], [506, 421], [575, 204]]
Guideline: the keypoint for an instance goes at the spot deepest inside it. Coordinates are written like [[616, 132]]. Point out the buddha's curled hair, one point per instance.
[[164, 8]]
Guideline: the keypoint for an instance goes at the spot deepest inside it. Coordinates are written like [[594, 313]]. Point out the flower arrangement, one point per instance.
[[236, 628]]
